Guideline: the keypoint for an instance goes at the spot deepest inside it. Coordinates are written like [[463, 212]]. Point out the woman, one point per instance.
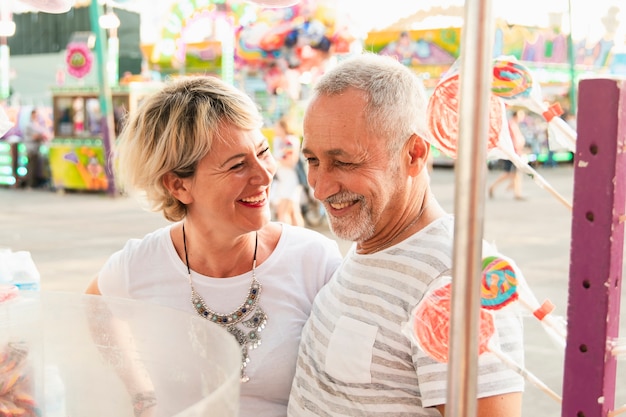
[[196, 150]]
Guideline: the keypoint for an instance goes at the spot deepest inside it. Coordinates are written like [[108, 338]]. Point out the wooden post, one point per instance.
[[597, 246]]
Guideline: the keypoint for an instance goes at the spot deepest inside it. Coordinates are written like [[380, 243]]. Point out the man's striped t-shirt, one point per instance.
[[356, 360]]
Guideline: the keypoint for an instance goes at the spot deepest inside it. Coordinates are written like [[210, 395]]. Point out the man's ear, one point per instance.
[[418, 150], [178, 187]]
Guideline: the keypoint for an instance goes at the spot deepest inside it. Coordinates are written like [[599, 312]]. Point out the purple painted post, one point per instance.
[[596, 249]]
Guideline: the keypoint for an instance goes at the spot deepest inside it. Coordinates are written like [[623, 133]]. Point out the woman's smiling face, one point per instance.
[[231, 184]]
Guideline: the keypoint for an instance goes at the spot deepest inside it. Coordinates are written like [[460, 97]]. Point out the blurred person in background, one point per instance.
[[511, 174], [286, 190], [35, 134]]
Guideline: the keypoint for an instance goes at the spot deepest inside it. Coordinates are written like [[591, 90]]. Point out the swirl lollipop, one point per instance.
[[500, 286], [499, 283], [514, 83], [443, 120], [442, 117], [511, 80], [431, 325], [429, 329]]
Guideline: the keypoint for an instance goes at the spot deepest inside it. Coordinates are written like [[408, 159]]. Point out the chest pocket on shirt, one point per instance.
[[349, 354]]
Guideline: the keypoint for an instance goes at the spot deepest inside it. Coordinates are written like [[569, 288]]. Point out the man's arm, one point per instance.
[[506, 405]]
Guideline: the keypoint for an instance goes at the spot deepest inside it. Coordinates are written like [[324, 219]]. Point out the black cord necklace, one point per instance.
[[249, 314]]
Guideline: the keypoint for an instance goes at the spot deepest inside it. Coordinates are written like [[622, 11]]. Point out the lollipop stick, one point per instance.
[[619, 348], [551, 115], [617, 411], [547, 321], [537, 178], [525, 373], [563, 135], [566, 131]]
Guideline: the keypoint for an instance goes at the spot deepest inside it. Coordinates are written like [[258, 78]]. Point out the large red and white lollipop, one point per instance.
[[429, 328], [443, 116], [431, 324], [443, 122]]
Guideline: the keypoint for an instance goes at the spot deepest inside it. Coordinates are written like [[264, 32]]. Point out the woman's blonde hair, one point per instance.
[[172, 130]]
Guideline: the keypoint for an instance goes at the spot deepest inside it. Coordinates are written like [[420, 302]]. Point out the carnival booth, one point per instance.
[[77, 151], [13, 158], [13, 154]]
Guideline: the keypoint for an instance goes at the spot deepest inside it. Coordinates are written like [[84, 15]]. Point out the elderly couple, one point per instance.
[[332, 339]]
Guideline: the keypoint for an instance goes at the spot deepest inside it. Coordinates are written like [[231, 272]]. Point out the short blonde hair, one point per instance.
[[172, 130]]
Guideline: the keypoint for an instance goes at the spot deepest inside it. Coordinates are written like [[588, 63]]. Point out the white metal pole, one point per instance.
[[474, 89]]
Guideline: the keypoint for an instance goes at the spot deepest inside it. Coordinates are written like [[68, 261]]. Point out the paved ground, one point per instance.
[[70, 235]]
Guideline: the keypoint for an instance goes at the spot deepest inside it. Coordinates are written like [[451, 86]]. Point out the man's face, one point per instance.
[[349, 168]]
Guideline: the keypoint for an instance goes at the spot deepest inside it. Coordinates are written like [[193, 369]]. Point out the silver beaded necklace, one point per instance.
[[245, 323]]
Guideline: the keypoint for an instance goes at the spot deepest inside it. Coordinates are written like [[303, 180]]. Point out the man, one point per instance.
[[364, 140]]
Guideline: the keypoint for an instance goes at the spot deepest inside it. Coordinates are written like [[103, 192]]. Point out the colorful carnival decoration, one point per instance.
[[215, 20], [275, 3], [79, 59], [443, 124], [299, 34], [299, 37]]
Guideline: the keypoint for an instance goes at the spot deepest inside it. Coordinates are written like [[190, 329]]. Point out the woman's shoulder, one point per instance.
[[150, 241], [298, 231]]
